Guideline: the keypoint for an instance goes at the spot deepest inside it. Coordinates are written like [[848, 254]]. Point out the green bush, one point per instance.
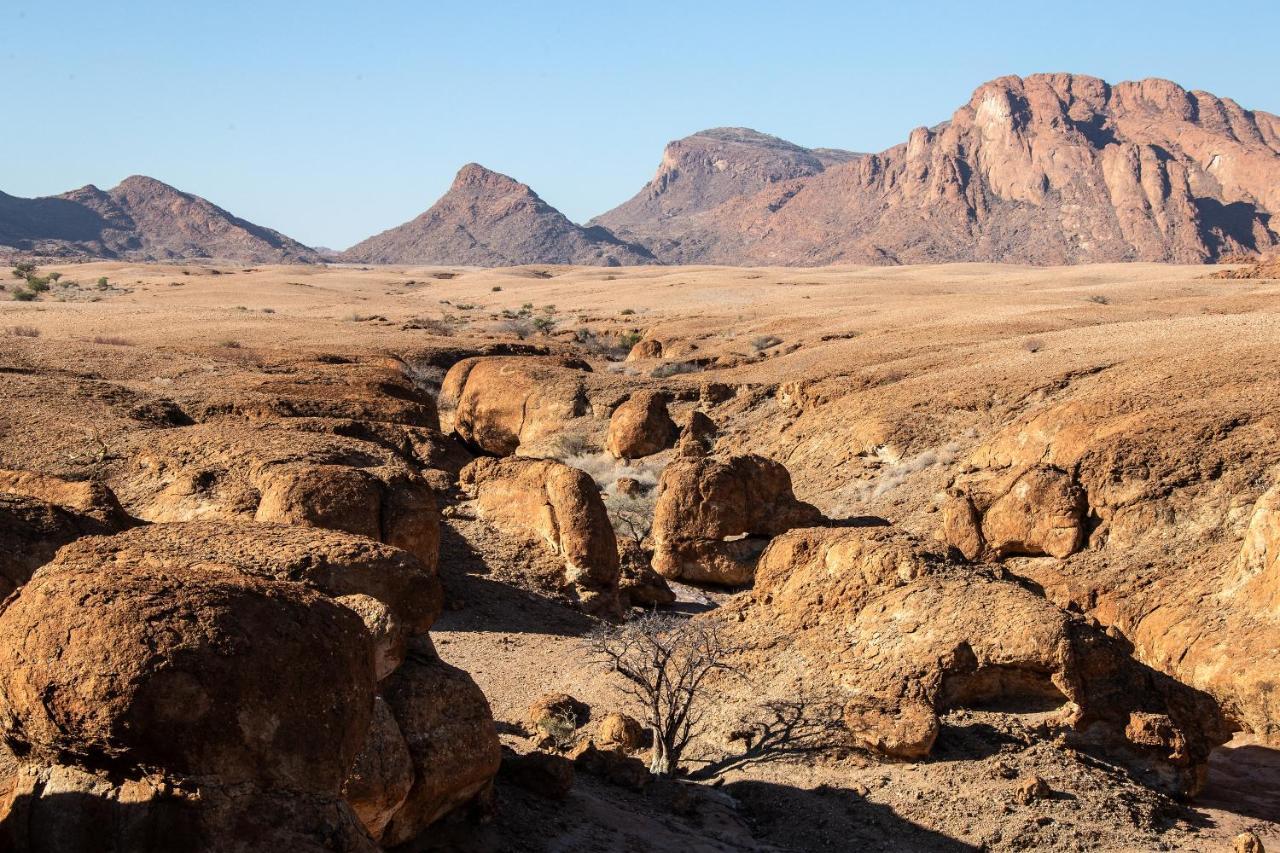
[[24, 269], [23, 295], [103, 284], [37, 284]]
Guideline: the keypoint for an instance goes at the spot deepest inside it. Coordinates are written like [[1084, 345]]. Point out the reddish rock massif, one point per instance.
[[1050, 169], [488, 219], [141, 219]]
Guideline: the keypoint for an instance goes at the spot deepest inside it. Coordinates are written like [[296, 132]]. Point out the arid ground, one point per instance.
[[1060, 460]]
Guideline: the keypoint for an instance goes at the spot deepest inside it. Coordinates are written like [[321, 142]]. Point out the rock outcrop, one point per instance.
[[452, 740], [142, 219], [39, 514], [1039, 511], [1047, 169], [496, 403], [904, 635], [269, 473], [396, 595], [487, 219], [150, 711], [641, 426], [714, 516], [560, 507]]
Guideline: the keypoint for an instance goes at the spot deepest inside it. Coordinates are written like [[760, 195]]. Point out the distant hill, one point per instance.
[[141, 219], [1050, 169], [489, 219]]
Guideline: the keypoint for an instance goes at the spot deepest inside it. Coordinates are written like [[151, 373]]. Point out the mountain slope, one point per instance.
[[1053, 168], [141, 219], [488, 219]]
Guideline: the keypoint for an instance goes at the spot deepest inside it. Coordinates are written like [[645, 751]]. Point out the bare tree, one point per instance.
[[665, 661]]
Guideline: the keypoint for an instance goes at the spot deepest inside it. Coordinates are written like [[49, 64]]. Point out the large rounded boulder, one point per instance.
[[641, 426], [149, 664], [714, 516], [497, 403]]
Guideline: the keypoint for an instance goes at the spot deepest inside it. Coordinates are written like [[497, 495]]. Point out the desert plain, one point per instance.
[[1017, 585]]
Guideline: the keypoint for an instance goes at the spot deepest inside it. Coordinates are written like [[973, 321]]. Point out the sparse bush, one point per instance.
[[764, 342], [23, 331], [561, 726], [268, 310], [517, 326], [229, 344], [464, 306], [54, 276], [1033, 345], [675, 368], [665, 662], [627, 312], [24, 269], [1099, 299], [545, 325], [112, 341], [497, 288], [23, 295]]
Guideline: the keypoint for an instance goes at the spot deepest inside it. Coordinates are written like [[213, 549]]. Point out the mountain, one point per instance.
[[141, 219], [1053, 168], [488, 219]]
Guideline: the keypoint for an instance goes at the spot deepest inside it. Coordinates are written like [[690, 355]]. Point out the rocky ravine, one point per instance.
[[141, 219]]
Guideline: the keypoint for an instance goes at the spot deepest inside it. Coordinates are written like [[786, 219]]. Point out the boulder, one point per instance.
[[561, 508], [383, 773], [340, 565], [1039, 511], [907, 635], [714, 516], [697, 435], [88, 498], [641, 426], [620, 731], [646, 348], [366, 391], [452, 740], [173, 666], [638, 584], [497, 403], [557, 706], [71, 809], [612, 765], [227, 470], [543, 773], [1256, 580]]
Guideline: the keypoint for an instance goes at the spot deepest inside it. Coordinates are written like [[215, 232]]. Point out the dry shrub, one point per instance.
[[23, 332]]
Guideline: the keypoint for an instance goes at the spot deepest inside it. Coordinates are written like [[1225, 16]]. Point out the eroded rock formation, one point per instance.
[[714, 516], [560, 507]]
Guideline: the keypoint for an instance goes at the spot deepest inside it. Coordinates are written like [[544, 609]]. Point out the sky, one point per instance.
[[333, 121]]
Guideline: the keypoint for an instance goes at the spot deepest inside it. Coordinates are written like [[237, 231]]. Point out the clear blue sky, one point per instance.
[[332, 121]]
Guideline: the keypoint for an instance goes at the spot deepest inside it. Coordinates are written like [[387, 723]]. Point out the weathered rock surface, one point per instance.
[[1040, 511], [487, 219], [178, 667], [263, 472], [905, 636], [396, 595], [1048, 169], [496, 403], [560, 507], [383, 773], [714, 516], [452, 741], [141, 219], [641, 426]]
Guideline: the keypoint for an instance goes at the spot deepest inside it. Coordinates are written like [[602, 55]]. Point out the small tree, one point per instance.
[[665, 661]]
